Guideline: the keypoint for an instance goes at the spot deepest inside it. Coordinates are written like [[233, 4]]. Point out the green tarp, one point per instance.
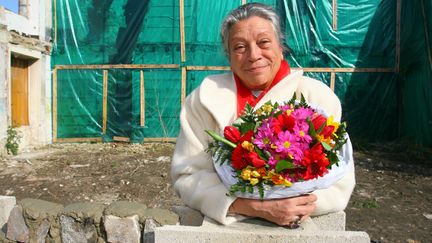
[[392, 101]]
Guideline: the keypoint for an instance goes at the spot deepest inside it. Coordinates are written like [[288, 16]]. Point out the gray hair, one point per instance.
[[246, 11]]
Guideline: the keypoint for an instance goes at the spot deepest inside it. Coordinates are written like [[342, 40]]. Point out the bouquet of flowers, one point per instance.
[[277, 146]]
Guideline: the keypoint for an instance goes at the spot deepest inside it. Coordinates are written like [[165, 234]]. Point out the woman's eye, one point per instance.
[[264, 43], [239, 48]]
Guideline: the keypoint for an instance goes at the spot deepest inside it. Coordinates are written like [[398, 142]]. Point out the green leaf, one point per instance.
[[247, 126], [261, 190], [219, 138], [332, 157], [262, 155], [326, 146], [283, 165], [321, 128], [311, 128], [292, 100]]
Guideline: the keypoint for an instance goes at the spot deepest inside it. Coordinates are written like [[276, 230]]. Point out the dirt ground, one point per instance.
[[392, 201]]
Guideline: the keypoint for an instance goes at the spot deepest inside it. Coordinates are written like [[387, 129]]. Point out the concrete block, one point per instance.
[[169, 234], [257, 230], [7, 203], [188, 216], [331, 221], [256, 224]]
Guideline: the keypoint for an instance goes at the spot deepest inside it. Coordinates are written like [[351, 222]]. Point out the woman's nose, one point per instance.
[[254, 53]]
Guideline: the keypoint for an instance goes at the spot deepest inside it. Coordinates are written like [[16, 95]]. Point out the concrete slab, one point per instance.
[[326, 228], [169, 234], [331, 221]]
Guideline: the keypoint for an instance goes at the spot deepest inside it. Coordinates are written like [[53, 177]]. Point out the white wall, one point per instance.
[[37, 24], [4, 87]]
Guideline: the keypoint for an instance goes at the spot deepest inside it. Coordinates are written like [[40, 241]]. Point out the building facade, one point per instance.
[[25, 73]]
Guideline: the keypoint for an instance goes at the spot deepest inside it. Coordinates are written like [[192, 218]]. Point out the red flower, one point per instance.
[[318, 122], [327, 131], [283, 123], [255, 160], [247, 137], [315, 162], [238, 158], [232, 134]]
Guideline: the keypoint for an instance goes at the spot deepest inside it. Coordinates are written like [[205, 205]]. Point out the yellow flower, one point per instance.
[[330, 122], [254, 181], [287, 183], [259, 112], [246, 173], [328, 140], [267, 108], [255, 174], [248, 146], [277, 179]]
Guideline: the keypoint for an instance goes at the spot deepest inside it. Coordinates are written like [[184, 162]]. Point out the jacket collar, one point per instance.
[[218, 95]]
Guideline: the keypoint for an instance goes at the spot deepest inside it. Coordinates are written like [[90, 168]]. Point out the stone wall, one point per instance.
[[33, 220]]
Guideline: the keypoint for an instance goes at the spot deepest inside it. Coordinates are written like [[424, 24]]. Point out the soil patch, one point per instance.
[[391, 202]]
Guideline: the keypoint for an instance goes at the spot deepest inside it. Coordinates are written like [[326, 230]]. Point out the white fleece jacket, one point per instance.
[[212, 106]]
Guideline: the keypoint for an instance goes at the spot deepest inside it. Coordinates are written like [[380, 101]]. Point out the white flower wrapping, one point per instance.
[[336, 172], [228, 175]]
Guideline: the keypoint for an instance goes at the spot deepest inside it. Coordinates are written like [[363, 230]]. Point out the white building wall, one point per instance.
[[36, 27], [4, 86]]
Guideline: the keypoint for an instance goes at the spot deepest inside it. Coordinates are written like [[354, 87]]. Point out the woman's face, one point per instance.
[[254, 52]]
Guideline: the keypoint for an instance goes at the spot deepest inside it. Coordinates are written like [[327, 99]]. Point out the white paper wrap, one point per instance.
[[228, 177], [335, 173]]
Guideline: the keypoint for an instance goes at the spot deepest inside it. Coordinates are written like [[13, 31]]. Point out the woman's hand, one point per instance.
[[280, 211]]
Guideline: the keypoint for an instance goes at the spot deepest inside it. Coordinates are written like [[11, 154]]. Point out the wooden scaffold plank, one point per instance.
[[54, 104], [142, 99], [104, 101]]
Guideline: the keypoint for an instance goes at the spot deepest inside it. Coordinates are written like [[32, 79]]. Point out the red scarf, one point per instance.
[[244, 95]]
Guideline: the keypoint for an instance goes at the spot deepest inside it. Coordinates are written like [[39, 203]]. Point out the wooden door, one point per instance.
[[19, 86]]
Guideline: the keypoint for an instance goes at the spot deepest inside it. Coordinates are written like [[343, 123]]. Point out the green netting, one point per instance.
[[380, 105]]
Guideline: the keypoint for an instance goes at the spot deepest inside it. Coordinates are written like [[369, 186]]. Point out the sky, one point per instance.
[[10, 4]]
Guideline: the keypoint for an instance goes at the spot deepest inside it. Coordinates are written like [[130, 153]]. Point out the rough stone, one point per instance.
[[36, 211], [148, 232], [80, 211], [42, 231], [124, 230], [125, 209], [7, 203], [74, 231], [17, 229], [40, 209], [188, 216], [162, 216], [3, 238]]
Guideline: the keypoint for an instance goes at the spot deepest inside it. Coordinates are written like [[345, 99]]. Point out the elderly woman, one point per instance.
[[252, 40]]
